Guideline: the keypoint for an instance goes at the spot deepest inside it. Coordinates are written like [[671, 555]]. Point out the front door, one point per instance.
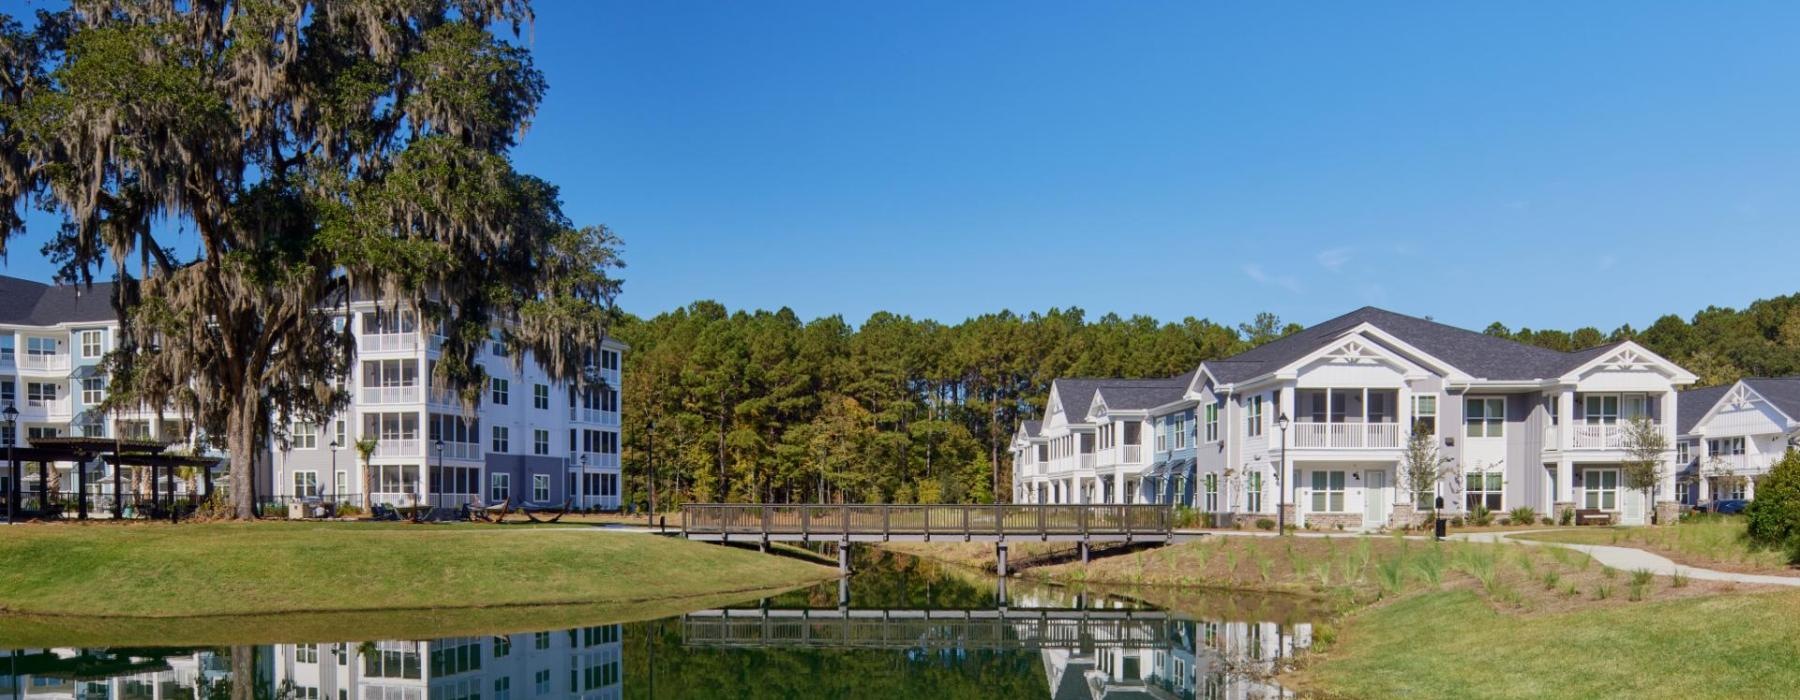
[[1375, 507]]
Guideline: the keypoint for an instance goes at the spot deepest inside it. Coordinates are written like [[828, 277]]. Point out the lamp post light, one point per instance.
[[437, 481], [1281, 422], [581, 469], [336, 488], [12, 468]]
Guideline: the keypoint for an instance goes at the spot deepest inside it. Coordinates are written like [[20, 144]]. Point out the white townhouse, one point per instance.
[[52, 341], [1730, 435], [1085, 450], [1520, 426], [530, 440]]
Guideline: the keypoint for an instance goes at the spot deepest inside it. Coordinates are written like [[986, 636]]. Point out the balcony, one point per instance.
[[1347, 435], [388, 448], [390, 342], [1131, 454], [595, 460], [1601, 436], [465, 451], [1084, 461], [58, 362], [58, 409], [578, 414], [389, 394]]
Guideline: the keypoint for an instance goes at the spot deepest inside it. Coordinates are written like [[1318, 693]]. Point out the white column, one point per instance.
[[1705, 479], [1119, 487], [1565, 481], [1565, 433], [1749, 488]]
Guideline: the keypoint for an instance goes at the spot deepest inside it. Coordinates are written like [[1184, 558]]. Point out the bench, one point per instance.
[[1593, 517]]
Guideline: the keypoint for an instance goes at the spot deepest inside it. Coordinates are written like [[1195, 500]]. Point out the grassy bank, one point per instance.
[[1711, 543], [272, 568]]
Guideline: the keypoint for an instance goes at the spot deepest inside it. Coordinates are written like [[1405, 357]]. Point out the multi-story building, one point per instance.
[[1730, 435], [1338, 402], [528, 440], [578, 663], [1090, 446]]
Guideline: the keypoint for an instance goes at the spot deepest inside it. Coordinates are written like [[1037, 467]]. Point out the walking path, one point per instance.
[[1630, 559]]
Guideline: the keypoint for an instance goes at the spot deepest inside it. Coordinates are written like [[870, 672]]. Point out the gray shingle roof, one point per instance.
[[1478, 354], [1077, 394], [1145, 394], [29, 303], [1033, 428], [1692, 405]]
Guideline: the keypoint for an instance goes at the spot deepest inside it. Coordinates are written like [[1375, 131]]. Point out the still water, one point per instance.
[[899, 628]]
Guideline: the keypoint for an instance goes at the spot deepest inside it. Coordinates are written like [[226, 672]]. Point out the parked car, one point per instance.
[[1728, 506]]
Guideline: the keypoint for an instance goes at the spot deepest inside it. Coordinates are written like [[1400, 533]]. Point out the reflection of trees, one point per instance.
[[685, 672]]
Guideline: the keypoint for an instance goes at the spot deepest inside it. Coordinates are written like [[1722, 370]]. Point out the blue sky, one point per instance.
[[1541, 164]]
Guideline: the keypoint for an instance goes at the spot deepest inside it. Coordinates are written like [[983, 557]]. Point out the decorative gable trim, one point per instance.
[[1357, 347], [1632, 357], [1740, 396]]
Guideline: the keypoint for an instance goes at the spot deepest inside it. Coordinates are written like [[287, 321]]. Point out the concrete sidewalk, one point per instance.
[[1629, 559]]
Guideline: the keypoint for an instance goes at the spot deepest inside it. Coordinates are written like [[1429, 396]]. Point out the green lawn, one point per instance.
[[160, 571], [1453, 644], [1712, 543]]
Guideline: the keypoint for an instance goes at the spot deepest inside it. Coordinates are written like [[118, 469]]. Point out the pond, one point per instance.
[[899, 628]]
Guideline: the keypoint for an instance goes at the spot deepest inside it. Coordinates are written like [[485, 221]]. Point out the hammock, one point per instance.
[[489, 514], [559, 513]]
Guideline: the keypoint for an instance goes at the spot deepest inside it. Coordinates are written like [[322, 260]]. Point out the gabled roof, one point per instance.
[[1032, 428], [1479, 355], [1781, 392], [1140, 395], [27, 303]]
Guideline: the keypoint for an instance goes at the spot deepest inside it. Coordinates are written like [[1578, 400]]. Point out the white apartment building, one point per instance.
[[1317, 423], [530, 440], [582, 663], [1731, 435]]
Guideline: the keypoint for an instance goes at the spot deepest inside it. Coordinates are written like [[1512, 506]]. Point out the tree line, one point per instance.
[[760, 406]]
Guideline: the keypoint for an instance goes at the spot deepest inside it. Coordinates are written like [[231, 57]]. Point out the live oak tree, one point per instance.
[[312, 152]]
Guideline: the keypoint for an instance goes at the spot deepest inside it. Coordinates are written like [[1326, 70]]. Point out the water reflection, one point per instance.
[[900, 628]]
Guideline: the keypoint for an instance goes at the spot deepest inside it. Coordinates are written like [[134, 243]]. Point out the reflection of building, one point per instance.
[[577, 663], [1212, 660], [82, 674]]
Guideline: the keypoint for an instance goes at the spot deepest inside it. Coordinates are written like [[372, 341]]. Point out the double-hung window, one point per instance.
[[1212, 493], [1211, 412], [540, 396], [499, 391], [540, 442], [1425, 412], [1328, 492], [1484, 489], [1162, 435], [303, 436], [306, 484], [500, 487], [1485, 417], [1253, 416], [1601, 409], [1600, 489], [93, 390], [39, 393], [1181, 432], [92, 344], [502, 439], [1253, 492], [540, 487]]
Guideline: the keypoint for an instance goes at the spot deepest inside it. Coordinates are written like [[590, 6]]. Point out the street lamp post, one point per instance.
[[336, 487], [437, 482], [581, 481], [12, 468], [1281, 422]]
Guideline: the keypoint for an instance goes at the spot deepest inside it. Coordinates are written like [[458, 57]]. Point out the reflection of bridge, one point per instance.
[[928, 629], [844, 524]]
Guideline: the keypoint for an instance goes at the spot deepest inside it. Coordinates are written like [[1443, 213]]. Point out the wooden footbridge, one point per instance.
[[1000, 523], [1004, 629]]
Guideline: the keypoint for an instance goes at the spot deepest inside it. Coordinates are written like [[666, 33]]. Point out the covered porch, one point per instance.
[[1345, 495], [1348, 418]]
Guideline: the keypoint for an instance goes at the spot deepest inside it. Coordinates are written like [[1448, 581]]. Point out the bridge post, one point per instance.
[[844, 555], [1084, 549], [1000, 557]]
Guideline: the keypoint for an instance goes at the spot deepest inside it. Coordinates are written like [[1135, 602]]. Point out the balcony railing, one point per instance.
[[580, 414], [1347, 435], [1131, 454], [1601, 436], [595, 460], [1084, 461], [390, 342], [390, 394], [46, 409], [467, 451], [50, 363], [399, 447]]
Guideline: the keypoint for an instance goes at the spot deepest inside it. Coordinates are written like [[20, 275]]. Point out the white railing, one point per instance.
[[581, 414], [468, 451], [1131, 454], [55, 362], [398, 447], [1084, 461], [1347, 435], [390, 394], [1599, 437], [595, 460], [389, 342], [1107, 457], [46, 409]]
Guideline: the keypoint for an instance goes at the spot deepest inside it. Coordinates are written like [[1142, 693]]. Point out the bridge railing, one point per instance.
[[927, 629], [973, 520]]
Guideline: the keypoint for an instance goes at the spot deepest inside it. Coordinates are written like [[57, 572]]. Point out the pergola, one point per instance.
[[81, 450], [161, 466]]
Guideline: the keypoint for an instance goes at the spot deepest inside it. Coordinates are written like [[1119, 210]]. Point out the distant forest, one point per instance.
[[762, 406]]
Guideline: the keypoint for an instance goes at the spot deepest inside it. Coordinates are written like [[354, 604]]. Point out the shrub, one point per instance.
[[1522, 515], [1481, 516], [1546, 521], [1640, 584], [1566, 518], [1265, 524], [1773, 518]]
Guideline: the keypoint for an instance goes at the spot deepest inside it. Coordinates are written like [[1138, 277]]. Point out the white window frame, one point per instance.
[[499, 391], [93, 390], [1421, 413], [540, 488], [340, 483], [1599, 498], [540, 442], [540, 396], [35, 346], [1181, 431], [1601, 415], [1681, 491], [1485, 484], [502, 439], [1488, 425], [499, 486], [93, 344], [303, 436], [1211, 482], [1725, 447], [1253, 491], [306, 483], [1329, 493], [1253, 416], [1211, 413]]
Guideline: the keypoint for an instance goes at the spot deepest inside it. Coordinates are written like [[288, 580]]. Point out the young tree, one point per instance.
[[1422, 466], [315, 151], [1644, 445], [365, 450]]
